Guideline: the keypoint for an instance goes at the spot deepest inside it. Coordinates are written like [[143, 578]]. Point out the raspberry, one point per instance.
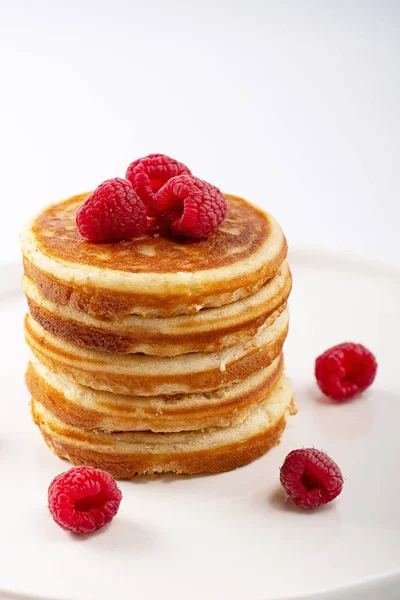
[[147, 175], [345, 371], [190, 207], [113, 212], [310, 477], [83, 499]]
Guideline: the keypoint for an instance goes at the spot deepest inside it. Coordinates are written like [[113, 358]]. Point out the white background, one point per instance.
[[294, 105]]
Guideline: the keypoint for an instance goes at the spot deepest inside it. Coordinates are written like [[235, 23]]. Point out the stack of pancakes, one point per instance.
[[158, 355]]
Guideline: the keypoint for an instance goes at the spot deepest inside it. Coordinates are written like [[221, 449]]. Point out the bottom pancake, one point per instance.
[[211, 450]]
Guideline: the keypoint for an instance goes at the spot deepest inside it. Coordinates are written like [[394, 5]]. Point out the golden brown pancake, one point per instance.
[[91, 409], [207, 331], [211, 450], [143, 375], [151, 275]]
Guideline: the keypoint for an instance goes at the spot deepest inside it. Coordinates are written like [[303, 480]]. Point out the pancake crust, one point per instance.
[[207, 331], [212, 450], [141, 375], [150, 275], [90, 409]]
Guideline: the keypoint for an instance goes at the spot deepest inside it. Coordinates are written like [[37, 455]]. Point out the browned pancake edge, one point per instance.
[[123, 466], [148, 385], [173, 417]]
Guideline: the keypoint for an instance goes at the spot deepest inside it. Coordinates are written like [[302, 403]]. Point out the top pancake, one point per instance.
[[151, 275]]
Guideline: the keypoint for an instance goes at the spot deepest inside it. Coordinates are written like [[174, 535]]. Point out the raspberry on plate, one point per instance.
[[310, 477], [112, 212], [345, 371], [83, 499], [190, 207], [148, 174]]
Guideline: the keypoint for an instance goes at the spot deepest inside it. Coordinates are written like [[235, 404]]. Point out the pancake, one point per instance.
[[143, 375], [211, 450], [207, 331], [90, 409], [151, 275]]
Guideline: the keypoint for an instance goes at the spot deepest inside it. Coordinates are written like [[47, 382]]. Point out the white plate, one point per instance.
[[229, 536]]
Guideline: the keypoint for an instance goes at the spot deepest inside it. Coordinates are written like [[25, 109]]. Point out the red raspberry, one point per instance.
[[147, 175], [310, 478], [344, 371], [113, 212], [83, 499], [190, 207]]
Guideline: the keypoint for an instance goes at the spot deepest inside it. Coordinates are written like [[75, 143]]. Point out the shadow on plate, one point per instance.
[[279, 501], [167, 477]]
